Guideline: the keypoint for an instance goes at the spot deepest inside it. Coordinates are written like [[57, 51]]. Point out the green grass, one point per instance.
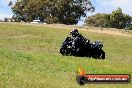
[[30, 58]]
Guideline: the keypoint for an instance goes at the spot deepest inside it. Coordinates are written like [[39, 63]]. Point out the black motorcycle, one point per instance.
[[87, 50]]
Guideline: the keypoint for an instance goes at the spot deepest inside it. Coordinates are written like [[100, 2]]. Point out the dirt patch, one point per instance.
[[111, 31]]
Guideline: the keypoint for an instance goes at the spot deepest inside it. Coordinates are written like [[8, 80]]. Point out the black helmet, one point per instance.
[[74, 33]]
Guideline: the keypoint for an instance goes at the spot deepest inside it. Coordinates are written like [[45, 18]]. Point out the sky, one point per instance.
[[5, 10], [107, 6], [101, 6]]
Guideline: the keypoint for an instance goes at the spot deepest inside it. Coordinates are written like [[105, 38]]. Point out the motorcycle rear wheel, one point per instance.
[[102, 54]]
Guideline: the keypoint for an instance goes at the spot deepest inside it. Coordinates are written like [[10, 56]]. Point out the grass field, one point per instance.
[[30, 58]]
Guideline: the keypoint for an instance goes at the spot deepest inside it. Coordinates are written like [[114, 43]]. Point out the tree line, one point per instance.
[[51, 11], [117, 19]]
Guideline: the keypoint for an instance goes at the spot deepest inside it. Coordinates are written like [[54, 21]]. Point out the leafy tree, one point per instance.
[[52, 11], [114, 20], [117, 18], [5, 19], [10, 3], [98, 20]]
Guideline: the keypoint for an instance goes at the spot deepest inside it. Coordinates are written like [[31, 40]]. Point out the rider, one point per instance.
[[78, 40]]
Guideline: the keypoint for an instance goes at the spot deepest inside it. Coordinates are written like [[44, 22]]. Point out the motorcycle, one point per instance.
[[87, 50]]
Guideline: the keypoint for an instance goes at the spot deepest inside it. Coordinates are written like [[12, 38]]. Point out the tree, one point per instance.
[[114, 20], [118, 19], [5, 20], [52, 11], [10, 4], [98, 20]]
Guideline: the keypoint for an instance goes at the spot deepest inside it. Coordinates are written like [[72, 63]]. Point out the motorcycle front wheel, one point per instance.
[[64, 52]]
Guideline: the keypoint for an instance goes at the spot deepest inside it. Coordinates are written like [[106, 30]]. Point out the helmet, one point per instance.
[[74, 33]]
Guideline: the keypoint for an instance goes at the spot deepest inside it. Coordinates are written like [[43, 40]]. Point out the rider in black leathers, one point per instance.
[[78, 40]]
